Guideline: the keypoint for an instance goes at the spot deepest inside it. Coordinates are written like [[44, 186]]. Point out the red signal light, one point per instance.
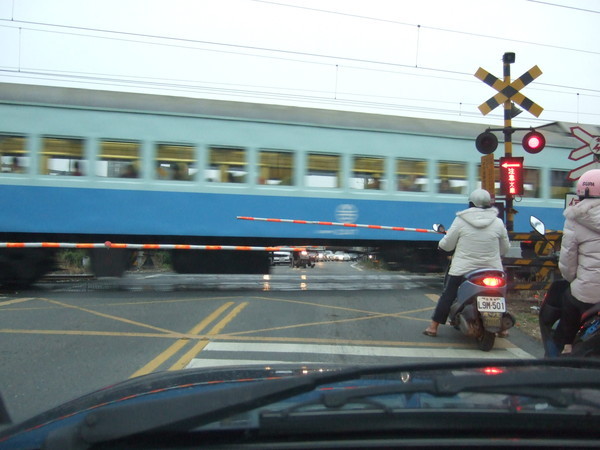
[[534, 142]]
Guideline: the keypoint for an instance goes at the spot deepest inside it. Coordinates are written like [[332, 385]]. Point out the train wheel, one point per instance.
[[210, 261], [20, 268], [110, 262]]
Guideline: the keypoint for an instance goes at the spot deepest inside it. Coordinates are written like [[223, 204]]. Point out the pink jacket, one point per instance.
[[579, 261]]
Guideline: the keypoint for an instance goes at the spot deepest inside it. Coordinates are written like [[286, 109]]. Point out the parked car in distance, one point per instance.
[[281, 258], [341, 256]]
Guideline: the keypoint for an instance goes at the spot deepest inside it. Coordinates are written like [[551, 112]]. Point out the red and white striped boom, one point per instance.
[[338, 224], [109, 244]]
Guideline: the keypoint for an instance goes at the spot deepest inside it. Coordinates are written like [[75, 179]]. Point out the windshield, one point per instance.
[[244, 192]]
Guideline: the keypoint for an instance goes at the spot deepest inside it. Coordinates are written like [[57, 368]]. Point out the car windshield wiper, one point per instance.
[[544, 384], [192, 410], [184, 412]]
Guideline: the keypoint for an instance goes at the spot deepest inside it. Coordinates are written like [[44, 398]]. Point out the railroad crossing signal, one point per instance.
[[591, 146], [511, 179], [510, 91]]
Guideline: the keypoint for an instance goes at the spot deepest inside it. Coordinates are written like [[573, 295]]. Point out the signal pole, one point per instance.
[[507, 60]]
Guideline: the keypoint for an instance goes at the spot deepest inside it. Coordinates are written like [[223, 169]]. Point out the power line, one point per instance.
[[253, 48], [446, 30], [565, 6], [283, 55]]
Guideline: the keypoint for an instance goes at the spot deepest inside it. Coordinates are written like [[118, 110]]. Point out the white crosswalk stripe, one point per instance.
[[238, 353]]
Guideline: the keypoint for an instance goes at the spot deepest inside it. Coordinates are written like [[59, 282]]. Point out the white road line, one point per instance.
[[203, 363], [220, 349]]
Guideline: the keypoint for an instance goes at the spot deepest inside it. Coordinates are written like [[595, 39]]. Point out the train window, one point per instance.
[[531, 183], [411, 175], [13, 154], [175, 162], [62, 156], [118, 159], [452, 178], [276, 168], [226, 165], [367, 173], [560, 184], [323, 170]]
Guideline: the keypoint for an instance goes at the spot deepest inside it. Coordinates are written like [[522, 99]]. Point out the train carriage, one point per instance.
[[90, 166]]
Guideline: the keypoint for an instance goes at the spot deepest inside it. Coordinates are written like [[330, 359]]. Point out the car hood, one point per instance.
[[199, 397]]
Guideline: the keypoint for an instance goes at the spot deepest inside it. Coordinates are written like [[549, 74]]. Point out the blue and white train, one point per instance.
[[89, 166]]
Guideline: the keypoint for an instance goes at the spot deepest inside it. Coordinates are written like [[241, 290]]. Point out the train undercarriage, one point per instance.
[[21, 267]]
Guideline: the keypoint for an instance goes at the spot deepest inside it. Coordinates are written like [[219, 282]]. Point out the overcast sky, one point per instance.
[[406, 58]]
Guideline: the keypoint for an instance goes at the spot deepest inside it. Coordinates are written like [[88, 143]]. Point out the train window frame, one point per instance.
[[226, 175], [278, 175], [527, 171], [558, 192], [168, 168], [337, 175], [76, 166], [15, 162], [366, 179], [128, 167], [408, 180], [455, 185]]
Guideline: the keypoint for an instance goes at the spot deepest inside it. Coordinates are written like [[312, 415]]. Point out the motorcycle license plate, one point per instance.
[[491, 304]]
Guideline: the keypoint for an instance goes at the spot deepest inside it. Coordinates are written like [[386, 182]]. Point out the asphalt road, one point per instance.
[[62, 340]]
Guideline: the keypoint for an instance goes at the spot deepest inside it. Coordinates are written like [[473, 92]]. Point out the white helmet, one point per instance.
[[588, 185], [480, 198]]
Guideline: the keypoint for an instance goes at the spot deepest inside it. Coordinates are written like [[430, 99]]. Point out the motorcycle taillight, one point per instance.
[[489, 281]]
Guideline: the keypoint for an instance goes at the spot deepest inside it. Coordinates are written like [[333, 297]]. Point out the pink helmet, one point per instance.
[[588, 185]]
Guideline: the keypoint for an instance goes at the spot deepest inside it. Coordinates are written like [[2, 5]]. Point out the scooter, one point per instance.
[[479, 310], [587, 339]]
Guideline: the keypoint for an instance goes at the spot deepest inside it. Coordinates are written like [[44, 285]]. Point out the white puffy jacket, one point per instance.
[[580, 250], [479, 238]]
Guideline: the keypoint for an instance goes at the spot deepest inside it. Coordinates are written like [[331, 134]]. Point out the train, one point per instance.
[[80, 165]]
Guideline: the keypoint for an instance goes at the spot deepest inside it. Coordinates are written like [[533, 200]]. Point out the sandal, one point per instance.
[[429, 333]]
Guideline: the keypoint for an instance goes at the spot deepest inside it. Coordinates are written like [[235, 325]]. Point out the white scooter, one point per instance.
[[480, 310]]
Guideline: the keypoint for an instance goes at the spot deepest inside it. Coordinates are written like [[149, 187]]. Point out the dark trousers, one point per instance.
[[448, 296], [570, 317]]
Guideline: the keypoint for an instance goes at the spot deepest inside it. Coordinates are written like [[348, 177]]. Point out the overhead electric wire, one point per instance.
[[259, 52], [279, 51], [446, 30]]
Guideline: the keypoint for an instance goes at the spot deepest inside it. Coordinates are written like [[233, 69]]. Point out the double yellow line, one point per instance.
[[199, 346]]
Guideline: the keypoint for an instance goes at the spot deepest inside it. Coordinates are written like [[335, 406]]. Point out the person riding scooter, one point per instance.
[[579, 260], [479, 239]]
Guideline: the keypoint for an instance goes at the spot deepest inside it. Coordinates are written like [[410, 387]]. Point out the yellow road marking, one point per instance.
[[109, 316], [179, 344], [433, 297], [401, 315], [343, 308], [89, 333], [198, 347], [18, 300]]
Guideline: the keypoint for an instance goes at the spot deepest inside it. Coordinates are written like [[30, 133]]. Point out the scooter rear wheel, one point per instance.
[[486, 341]]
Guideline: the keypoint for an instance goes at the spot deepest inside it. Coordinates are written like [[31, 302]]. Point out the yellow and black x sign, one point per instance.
[[509, 91]]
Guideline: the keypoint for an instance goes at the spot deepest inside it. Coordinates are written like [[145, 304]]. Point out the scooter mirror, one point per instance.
[[537, 225], [439, 228]]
